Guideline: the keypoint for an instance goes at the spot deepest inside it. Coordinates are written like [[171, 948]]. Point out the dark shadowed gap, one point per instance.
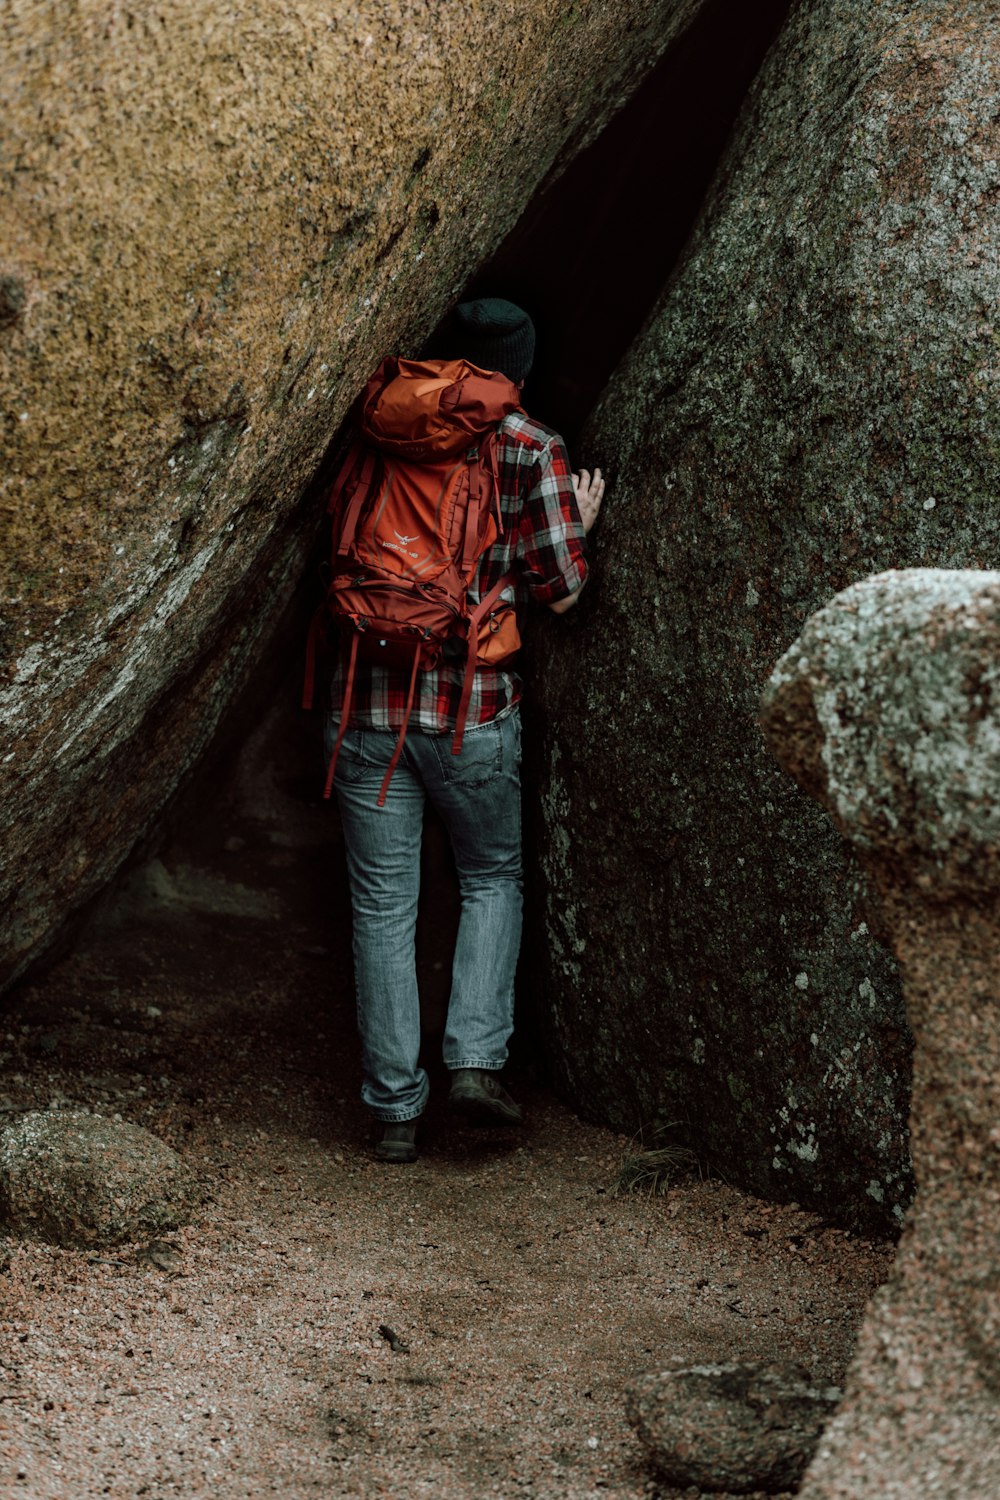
[[590, 256]]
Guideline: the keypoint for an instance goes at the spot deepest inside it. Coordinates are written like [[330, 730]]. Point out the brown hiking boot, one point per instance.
[[478, 1094], [397, 1141]]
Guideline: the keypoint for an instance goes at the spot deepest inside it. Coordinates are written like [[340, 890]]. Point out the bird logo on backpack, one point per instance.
[[415, 505]]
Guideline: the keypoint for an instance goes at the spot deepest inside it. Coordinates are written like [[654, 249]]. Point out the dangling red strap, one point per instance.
[[402, 733], [476, 618], [463, 704], [345, 714], [312, 647]]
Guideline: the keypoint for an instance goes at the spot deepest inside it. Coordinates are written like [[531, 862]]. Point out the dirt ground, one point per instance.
[[327, 1325]]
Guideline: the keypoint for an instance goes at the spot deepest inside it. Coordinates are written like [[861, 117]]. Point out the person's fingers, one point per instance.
[[589, 490]]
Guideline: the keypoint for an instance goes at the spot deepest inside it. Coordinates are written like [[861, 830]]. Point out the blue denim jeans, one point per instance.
[[478, 795]]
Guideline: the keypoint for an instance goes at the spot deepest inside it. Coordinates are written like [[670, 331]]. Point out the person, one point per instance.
[[546, 511]]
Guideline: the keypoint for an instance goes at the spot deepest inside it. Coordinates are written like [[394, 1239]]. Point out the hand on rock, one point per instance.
[[589, 491]]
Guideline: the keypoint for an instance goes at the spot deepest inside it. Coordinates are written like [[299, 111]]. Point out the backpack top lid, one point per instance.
[[433, 409]]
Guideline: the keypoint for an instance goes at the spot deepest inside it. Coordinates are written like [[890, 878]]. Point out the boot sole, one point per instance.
[[485, 1111], [396, 1153]]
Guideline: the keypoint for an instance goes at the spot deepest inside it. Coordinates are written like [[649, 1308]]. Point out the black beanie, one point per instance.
[[495, 335]]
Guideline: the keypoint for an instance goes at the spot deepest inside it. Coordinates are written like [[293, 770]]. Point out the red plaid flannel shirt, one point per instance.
[[543, 543]]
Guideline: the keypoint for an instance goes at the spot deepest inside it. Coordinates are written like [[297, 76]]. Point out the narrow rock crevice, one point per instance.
[[592, 251]]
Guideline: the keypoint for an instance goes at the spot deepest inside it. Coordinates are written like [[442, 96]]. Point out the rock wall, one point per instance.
[[814, 400], [215, 219]]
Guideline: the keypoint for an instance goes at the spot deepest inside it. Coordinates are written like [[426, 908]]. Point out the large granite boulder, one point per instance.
[[214, 219], [813, 400], [886, 709]]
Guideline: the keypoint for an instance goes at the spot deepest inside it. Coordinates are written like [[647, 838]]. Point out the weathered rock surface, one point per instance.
[[732, 1427], [74, 1178], [814, 400], [887, 710], [215, 219]]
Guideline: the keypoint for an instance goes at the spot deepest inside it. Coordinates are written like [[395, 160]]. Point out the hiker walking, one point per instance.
[[451, 509]]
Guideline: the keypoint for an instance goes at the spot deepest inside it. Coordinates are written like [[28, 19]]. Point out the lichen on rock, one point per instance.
[[896, 733], [74, 1178]]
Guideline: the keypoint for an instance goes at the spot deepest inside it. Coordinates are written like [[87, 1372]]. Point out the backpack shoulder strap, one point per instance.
[[473, 514], [484, 499]]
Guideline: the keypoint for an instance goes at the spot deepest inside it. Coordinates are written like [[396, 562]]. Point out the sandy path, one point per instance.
[[249, 1360]]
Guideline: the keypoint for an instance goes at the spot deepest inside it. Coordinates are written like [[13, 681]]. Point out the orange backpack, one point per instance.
[[415, 505]]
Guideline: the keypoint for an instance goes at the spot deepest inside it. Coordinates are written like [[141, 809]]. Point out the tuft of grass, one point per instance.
[[652, 1168]]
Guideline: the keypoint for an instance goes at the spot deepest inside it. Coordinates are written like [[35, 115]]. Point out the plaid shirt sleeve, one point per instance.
[[551, 551]]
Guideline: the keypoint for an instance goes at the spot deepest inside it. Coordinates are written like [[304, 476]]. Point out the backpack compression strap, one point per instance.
[[355, 479]]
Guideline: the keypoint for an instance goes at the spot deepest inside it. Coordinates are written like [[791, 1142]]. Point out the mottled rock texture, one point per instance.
[[887, 710], [814, 399], [730, 1428], [73, 1178], [214, 219]]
